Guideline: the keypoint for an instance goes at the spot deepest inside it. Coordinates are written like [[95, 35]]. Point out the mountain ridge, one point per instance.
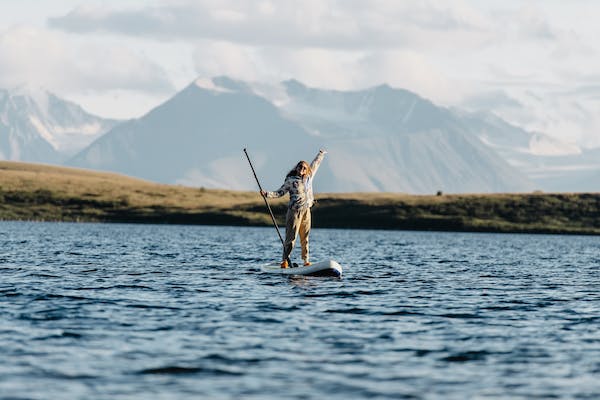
[[38, 126], [135, 146], [379, 139], [219, 117]]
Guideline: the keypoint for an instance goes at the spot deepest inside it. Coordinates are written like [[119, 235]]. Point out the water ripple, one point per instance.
[[155, 311]]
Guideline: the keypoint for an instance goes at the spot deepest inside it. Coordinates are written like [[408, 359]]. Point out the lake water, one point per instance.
[[93, 311]]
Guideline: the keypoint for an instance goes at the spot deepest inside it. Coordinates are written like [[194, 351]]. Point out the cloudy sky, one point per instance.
[[534, 63]]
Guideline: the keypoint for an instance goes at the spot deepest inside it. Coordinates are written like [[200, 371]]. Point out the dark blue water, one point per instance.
[[91, 311]]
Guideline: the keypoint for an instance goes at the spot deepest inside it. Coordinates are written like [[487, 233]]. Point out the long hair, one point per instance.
[[296, 170]]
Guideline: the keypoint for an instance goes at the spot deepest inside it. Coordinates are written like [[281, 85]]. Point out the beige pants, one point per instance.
[[297, 221]]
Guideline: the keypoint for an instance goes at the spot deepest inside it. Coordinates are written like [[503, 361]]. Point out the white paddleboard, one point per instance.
[[323, 268]]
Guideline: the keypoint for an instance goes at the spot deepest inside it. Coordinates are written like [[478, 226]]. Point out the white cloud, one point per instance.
[[49, 59], [225, 58], [23, 51], [119, 67], [332, 44], [342, 70], [410, 70], [529, 22], [314, 66], [444, 50], [316, 23]]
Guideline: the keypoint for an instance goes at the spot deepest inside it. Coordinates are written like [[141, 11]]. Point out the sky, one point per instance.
[[535, 63]]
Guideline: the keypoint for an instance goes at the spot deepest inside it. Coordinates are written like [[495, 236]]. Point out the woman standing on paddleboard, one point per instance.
[[298, 183]]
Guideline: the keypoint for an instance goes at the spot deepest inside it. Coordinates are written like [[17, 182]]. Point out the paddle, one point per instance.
[[268, 207]]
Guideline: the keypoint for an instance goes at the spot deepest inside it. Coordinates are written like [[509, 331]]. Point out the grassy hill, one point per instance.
[[49, 193]]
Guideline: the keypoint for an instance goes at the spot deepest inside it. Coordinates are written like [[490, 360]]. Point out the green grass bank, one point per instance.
[[49, 193]]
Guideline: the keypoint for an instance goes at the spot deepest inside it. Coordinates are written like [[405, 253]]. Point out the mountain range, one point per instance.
[[379, 139], [38, 126]]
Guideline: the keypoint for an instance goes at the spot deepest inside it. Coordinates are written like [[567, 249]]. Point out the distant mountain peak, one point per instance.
[[223, 84], [231, 84], [385, 87], [38, 126], [294, 86], [211, 84], [26, 89]]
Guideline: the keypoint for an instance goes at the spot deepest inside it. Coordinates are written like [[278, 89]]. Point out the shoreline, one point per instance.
[[34, 192], [150, 222]]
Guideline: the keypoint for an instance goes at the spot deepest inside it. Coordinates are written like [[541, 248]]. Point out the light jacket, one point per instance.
[[300, 189]]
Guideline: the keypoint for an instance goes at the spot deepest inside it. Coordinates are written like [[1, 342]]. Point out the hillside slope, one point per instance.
[[44, 193]]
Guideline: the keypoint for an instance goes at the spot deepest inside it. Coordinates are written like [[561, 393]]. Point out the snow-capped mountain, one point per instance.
[[379, 139], [196, 138], [37, 126], [411, 142], [553, 165]]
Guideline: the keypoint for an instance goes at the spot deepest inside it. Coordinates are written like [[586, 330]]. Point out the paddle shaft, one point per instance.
[[265, 199]]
